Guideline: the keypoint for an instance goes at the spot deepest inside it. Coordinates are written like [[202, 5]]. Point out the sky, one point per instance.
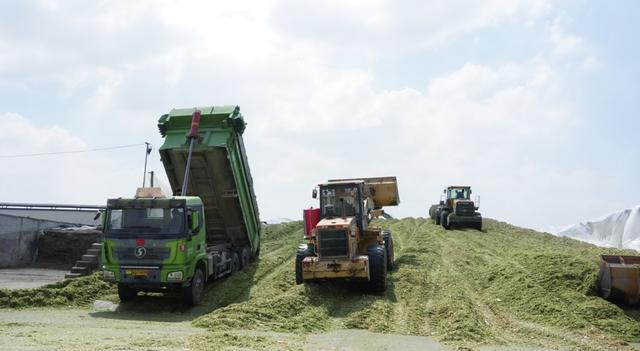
[[534, 103]]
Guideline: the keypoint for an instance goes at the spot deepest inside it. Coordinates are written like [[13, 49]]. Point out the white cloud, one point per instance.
[[85, 178], [304, 74]]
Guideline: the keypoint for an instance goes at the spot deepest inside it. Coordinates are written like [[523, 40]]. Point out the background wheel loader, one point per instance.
[[340, 243], [456, 209]]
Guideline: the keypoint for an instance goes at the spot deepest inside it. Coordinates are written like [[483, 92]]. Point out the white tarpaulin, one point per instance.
[[620, 229]]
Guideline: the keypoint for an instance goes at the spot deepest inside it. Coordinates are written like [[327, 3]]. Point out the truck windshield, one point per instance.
[[338, 201], [150, 221]]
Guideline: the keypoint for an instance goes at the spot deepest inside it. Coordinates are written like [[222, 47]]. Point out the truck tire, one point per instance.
[[235, 263], [126, 293], [192, 294], [444, 220], [437, 218], [479, 225], [388, 246], [303, 252], [377, 268], [255, 256], [245, 256]]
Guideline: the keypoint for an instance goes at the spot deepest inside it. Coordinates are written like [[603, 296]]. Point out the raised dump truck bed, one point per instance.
[[219, 172]]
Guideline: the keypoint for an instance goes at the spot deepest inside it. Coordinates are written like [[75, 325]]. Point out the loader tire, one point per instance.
[[388, 246], [444, 220], [303, 252], [192, 294], [126, 293], [437, 219], [479, 225], [377, 268]]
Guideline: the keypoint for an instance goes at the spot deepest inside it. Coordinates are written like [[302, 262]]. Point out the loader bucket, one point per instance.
[[383, 190], [619, 278]]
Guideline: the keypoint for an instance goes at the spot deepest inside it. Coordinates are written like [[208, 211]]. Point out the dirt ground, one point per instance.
[[79, 329]]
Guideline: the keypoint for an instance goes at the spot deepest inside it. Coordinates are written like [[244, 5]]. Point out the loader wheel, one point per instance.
[[303, 252], [388, 246], [245, 256], [192, 294], [444, 220], [479, 225], [126, 293], [437, 219], [377, 268]]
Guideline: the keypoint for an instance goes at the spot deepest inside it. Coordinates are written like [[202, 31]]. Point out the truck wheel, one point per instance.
[[444, 220], [388, 246], [126, 293], [377, 268], [244, 257], [254, 256], [235, 263], [192, 294], [303, 251]]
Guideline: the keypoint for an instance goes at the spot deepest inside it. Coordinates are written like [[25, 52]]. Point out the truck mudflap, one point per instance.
[[339, 268]]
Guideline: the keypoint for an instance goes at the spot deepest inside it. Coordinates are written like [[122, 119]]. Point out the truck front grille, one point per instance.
[[333, 243], [153, 255]]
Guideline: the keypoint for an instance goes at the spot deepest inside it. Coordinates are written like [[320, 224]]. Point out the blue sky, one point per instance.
[[534, 103]]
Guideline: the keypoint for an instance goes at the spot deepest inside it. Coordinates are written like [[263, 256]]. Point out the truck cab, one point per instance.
[[156, 243]]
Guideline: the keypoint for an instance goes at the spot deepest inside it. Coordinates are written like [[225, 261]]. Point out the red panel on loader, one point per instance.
[[311, 218]]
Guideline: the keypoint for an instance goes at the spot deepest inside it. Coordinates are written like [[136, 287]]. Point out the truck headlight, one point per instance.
[[108, 275], [174, 276]]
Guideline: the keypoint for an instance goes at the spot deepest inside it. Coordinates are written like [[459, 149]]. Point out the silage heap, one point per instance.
[[71, 292], [503, 286]]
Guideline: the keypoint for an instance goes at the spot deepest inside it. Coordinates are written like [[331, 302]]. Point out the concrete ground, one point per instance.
[[23, 278]]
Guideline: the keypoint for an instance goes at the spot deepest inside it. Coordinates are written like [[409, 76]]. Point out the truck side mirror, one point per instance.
[[314, 193], [444, 191]]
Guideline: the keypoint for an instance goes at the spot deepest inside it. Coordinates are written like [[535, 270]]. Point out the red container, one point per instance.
[[311, 218]]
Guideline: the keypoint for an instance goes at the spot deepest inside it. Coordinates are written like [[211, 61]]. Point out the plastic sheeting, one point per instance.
[[620, 229]]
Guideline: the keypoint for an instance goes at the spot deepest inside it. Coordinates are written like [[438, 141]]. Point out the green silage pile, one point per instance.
[[504, 286], [71, 292]]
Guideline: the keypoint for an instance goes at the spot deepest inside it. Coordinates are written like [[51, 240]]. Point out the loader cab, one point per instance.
[[343, 199], [458, 192]]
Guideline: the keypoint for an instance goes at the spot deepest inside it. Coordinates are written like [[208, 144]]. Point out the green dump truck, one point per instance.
[[209, 228]]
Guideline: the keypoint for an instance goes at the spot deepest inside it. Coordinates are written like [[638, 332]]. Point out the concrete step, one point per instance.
[[95, 252], [72, 275], [88, 264], [90, 258], [81, 270], [96, 246]]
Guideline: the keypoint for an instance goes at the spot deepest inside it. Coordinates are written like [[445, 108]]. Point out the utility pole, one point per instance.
[[151, 178], [146, 155]]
